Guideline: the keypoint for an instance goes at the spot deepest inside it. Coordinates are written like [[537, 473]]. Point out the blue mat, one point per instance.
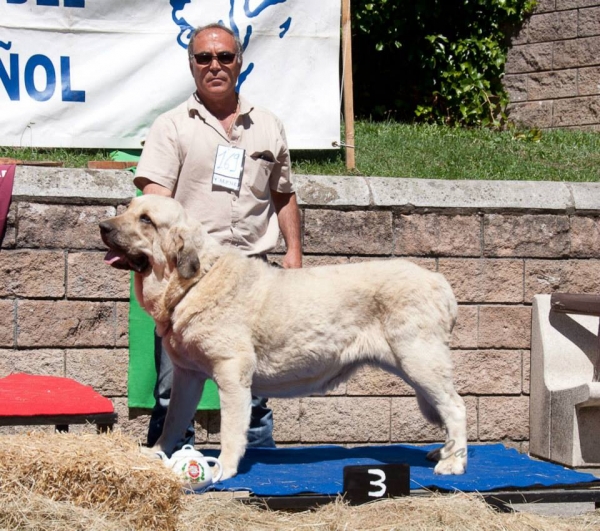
[[319, 469]]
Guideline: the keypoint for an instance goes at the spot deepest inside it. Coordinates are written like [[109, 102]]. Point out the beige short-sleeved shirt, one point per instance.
[[179, 154]]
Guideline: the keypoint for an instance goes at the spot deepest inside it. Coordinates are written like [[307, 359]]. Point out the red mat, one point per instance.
[[26, 395]]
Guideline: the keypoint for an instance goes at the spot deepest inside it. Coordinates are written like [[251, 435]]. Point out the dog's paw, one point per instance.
[[451, 465], [150, 453], [228, 472]]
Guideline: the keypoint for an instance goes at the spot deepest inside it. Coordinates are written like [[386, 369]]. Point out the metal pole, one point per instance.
[[348, 90]]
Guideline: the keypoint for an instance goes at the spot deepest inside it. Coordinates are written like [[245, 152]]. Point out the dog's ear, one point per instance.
[[182, 253]]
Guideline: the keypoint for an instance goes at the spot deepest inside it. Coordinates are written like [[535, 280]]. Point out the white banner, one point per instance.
[[96, 73]]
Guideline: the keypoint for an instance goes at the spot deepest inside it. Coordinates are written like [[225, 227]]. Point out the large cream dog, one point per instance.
[[257, 329]]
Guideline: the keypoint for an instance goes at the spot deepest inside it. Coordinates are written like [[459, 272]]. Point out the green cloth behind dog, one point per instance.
[[142, 371]]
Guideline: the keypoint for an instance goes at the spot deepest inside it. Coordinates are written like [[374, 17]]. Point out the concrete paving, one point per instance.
[[554, 509]]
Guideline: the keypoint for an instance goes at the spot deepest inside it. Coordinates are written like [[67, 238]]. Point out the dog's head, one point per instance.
[[153, 231]]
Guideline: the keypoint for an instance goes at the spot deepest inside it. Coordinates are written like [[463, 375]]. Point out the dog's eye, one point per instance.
[[145, 219]]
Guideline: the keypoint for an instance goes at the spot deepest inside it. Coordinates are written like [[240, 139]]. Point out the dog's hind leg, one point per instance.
[[236, 406], [186, 392], [450, 408], [427, 367]]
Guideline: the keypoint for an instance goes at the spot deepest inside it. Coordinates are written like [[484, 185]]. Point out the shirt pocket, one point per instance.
[[257, 171]]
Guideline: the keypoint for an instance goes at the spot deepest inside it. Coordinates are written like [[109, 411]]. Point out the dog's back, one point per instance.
[[360, 293]]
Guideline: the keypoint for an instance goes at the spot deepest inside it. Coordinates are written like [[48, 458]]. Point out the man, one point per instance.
[[227, 162]]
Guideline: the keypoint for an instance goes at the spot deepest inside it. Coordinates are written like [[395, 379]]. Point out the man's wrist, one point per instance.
[[293, 259]]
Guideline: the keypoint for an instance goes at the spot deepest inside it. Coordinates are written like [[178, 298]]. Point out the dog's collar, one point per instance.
[[172, 303], [162, 332], [182, 290]]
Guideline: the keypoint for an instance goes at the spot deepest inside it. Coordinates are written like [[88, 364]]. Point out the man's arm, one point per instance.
[[156, 189], [288, 216]]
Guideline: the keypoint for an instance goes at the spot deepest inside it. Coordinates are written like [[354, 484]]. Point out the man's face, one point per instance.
[[215, 80]]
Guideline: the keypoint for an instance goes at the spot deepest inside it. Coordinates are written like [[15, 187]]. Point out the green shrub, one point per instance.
[[438, 61]]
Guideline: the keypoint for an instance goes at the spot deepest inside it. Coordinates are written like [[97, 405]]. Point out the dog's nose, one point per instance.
[[105, 226]]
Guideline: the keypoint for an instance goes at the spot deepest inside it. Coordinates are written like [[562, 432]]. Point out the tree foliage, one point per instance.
[[438, 61]]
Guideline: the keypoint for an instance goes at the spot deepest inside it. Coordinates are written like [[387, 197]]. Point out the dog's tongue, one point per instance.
[[111, 257]]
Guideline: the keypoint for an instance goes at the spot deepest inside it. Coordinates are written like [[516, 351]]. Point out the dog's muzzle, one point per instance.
[[116, 256]]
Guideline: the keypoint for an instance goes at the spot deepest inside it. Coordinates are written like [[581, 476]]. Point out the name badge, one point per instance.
[[229, 165]]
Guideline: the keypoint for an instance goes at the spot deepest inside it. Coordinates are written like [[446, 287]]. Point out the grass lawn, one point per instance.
[[434, 152], [389, 149]]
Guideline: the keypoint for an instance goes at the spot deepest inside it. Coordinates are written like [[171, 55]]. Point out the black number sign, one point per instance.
[[364, 483]]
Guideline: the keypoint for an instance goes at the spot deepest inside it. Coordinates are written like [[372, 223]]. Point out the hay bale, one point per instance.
[[106, 473], [55, 482], [26, 511], [457, 512]]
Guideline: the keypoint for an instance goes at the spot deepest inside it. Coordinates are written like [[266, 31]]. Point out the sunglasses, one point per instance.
[[224, 58]]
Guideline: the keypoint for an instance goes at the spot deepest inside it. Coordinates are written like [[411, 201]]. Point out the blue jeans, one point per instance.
[[261, 421]]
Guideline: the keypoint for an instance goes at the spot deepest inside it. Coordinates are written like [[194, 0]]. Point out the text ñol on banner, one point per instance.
[[51, 3], [11, 78]]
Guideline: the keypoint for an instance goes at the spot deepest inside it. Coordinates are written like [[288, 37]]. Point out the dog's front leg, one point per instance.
[[186, 392], [236, 405]]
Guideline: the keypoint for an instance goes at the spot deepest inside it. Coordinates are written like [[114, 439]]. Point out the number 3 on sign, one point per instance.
[[377, 483], [363, 483]]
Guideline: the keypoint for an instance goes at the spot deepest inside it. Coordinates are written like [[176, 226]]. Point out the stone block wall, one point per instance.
[[553, 67], [64, 312]]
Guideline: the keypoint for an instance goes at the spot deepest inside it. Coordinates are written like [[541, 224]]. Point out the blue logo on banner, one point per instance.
[[186, 29]]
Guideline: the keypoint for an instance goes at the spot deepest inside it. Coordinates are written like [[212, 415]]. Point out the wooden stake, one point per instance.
[[348, 89]]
